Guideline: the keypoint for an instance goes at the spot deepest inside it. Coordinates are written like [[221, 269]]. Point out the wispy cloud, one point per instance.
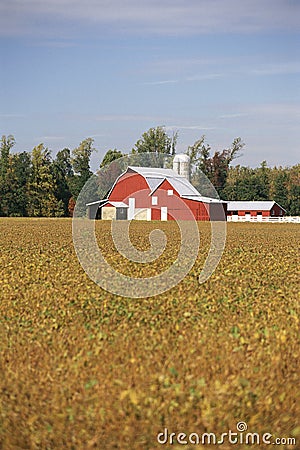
[[123, 118], [54, 43], [157, 83], [205, 76], [286, 68], [192, 78], [49, 138], [282, 110], [96, 135], [12, 116], [232, 115], [193, 70], [170, 17], [189, 127]]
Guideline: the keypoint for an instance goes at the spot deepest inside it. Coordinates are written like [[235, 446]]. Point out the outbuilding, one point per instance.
[[257, 210]]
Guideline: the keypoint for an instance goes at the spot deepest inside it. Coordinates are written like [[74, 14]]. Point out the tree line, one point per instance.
[[35, 184]]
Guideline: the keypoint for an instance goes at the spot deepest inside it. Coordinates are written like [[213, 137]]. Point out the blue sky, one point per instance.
[[112, 69]]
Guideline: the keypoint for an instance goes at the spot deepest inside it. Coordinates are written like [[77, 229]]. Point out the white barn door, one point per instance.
[[164, 213], [131, 209]]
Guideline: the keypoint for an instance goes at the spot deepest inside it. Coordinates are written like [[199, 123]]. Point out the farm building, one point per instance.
[[257, 209], [146, 193]]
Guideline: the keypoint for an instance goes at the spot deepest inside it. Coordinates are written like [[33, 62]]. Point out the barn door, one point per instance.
[[164, 213], [121, 213]]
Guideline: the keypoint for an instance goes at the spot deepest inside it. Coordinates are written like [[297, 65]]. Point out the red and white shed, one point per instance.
[[258, 209]]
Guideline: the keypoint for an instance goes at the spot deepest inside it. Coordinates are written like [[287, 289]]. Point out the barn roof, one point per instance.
[[155, 176], [251, 206], [116, 204], [97, 202], [183, 186], [202, 199], [153, 172], [105, 201], [153, 183]]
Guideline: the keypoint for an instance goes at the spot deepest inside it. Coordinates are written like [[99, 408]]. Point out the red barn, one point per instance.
[[146, 193], [254, 209]]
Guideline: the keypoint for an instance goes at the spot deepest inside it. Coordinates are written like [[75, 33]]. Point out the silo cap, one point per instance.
[[182, 157]]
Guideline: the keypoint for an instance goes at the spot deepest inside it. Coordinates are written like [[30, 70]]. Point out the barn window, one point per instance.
[[170, 192], [154, 200], [280, 212], [272, 212]]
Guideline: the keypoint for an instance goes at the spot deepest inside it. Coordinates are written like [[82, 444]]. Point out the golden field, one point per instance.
[[82, 368]]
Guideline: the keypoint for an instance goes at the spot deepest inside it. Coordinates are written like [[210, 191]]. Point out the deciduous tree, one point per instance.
[[7, 143], [156, 140], [42, 186], [110, 156], [215, 167], [81, 165]]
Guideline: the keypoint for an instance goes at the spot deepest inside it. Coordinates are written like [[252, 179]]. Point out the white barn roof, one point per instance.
[[117, 204], [154, 172], [203, 199], [251, 206], [155, 176], [183, 186]]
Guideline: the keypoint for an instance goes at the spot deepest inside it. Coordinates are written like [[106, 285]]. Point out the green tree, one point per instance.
[[294, 190], [262, 179], [264, 183], [63, 175], [245, 183], [110, 156], [6, 145], [81, 165], [18, 181], [42, 187], [198, 152], [156, 140], [294, 203], [215, 167], [279, 190]]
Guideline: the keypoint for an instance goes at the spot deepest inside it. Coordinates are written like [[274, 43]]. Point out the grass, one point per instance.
[[82, 368]]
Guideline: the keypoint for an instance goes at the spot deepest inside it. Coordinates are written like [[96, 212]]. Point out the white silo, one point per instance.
[[181, 165]]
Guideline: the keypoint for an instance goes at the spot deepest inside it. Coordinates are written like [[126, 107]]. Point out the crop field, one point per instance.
[[85, 369]]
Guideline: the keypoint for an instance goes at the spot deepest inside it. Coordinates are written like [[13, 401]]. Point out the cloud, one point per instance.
[[168, 17], [49, 138], [97, 135], [205, 76], [157, 83], [232, 115], [12, 116], [189, 127], [217, 69], [287, 68], [123, 118], [288, 111], [276, 110]]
